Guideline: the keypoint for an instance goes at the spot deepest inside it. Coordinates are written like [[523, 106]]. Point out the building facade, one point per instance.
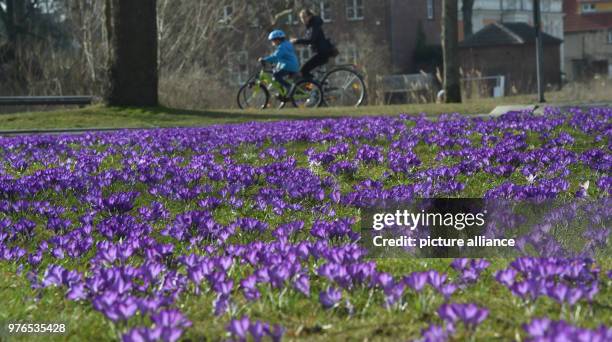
[[588, 38], [516, 11], [378, 34], [486, 12], [508, 50]]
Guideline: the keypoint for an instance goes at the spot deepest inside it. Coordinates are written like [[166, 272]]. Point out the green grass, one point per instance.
[[303, 317], [109, 117]]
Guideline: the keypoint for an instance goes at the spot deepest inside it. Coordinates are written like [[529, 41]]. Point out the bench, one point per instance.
[[407, 85]]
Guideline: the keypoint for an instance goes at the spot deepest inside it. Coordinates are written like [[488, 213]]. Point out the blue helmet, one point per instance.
[[276, 34]]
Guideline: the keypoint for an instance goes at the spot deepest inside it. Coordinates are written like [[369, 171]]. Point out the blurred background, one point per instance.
[[208, 48]]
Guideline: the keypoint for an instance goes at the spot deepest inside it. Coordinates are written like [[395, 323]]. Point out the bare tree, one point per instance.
[[467, 10], [452, 87], [132, 28], [198, 44], [196, 60]]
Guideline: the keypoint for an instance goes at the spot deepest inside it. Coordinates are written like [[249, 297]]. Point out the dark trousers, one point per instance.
[[279, 76], [314, 61]]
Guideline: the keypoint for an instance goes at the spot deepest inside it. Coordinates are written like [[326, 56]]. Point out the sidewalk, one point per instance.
[[539, 108]]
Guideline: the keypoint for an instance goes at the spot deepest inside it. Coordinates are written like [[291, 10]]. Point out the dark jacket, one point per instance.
[[315, 37]]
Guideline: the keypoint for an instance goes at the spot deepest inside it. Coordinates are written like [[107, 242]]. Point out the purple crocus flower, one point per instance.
[[564, 294], [276, 332], [544, 329], [447, 290], [239, 328], [537, 327], [330, 297], [171, 322], [77, 291], [258, 330], [506, 276], [394, 293], [142, 334], [416, 280], [470, 314], [436, 333], [221, 304], [436, 279], [302, 284]]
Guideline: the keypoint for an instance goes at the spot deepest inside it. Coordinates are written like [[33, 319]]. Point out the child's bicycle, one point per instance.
[[255, 93]]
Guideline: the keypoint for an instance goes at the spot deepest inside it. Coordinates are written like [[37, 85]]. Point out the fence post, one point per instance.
[[537, 19]]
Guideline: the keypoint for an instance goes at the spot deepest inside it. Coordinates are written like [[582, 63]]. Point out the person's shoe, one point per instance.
[[281, 98]]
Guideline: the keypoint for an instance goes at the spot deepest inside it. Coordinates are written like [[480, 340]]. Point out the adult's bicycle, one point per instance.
[[255, 92], [343, 85]]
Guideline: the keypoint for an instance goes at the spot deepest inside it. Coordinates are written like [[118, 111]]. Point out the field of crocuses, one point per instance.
[[250, 231]]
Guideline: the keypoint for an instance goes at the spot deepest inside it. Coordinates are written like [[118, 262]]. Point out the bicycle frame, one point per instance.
[[262, 80], [264, 77], [322, 74]]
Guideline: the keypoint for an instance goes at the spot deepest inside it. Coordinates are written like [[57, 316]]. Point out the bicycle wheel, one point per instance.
[[343, 87], [306, 94], [253, 96]]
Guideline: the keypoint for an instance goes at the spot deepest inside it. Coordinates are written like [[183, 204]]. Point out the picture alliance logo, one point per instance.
[[413, 220]]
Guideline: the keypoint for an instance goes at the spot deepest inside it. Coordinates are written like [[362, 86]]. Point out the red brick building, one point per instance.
[[508, 49], [390, 25], [588, 38], [381, 32]]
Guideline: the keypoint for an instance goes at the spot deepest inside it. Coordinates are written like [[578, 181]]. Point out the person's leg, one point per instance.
[[279, 76], [315, 61]]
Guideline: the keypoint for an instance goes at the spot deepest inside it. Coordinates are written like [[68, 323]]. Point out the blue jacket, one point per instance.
[[284, 57]]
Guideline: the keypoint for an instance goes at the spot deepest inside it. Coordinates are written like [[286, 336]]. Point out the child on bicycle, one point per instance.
[[284, 57]]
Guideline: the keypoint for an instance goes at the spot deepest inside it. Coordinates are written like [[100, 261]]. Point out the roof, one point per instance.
[[506, 34], [575, 21]]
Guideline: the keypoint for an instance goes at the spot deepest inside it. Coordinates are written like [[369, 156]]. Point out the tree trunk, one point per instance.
[[10, 22], [467, 10], [452, 88], [132, 29]]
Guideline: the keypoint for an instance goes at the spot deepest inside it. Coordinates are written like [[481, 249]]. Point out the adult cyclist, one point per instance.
[[314, 36]]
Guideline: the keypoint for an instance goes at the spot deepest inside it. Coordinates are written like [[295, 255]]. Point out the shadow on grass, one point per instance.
[[243, 115]]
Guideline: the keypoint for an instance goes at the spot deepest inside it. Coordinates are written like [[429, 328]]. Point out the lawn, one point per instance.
[[104, 117], [181, 233]]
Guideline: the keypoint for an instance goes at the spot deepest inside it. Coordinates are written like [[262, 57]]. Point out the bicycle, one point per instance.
[[343, 85], [255, 93]]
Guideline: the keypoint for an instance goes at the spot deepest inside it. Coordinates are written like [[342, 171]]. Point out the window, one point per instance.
[[588, 8], [325, 10], [226, 15], [303, 53], [430, 9], [354, 9], [610, 36], [239, 68], [348, 55]]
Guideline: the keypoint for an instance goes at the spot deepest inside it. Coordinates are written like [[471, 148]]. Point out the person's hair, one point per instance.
[[307, 12]]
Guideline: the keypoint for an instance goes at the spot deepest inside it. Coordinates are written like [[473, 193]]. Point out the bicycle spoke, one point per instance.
[[252, 97], [343, 88], [351, 78]]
